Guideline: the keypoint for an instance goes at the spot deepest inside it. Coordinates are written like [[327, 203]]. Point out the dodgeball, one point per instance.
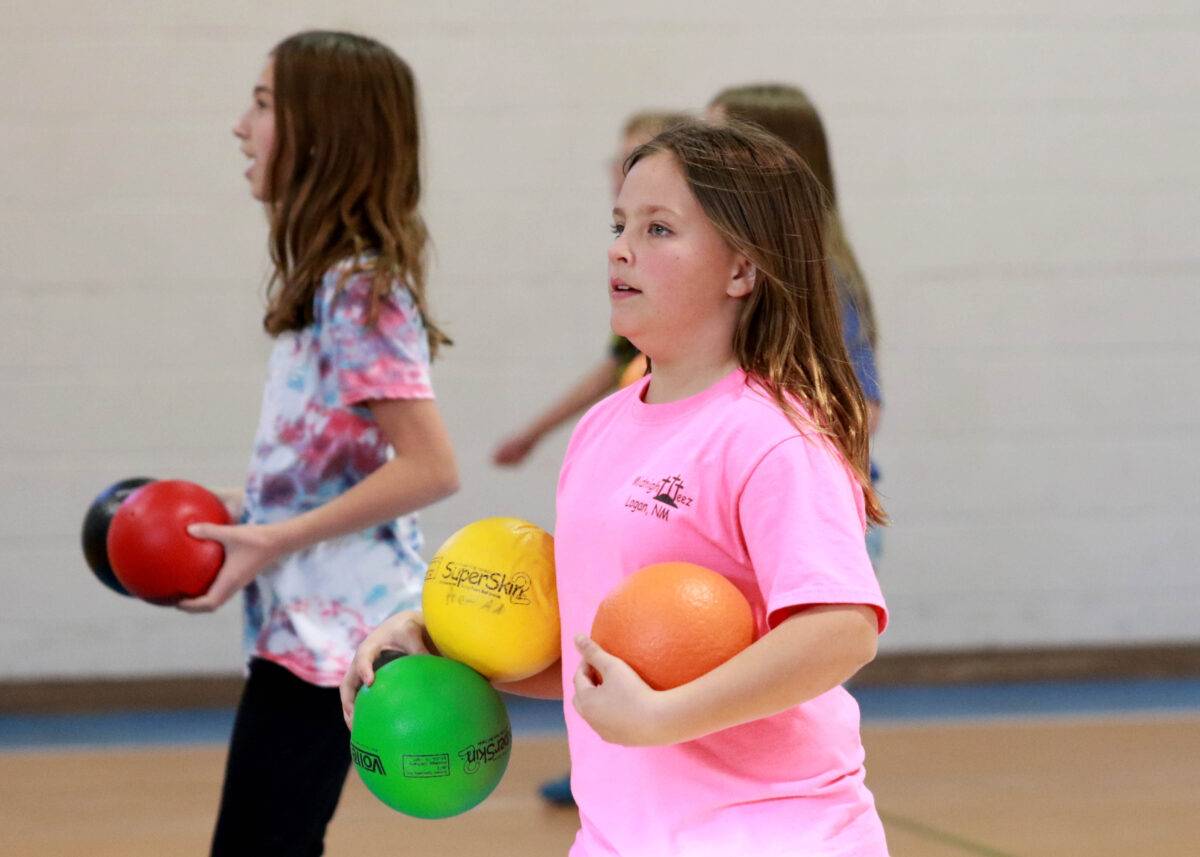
[[673, 622], [431, 738], [490, 599]]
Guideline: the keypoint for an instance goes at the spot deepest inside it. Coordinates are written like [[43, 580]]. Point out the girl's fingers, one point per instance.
[[203, 531], [593, 655], [583, 679], [347, 693], [203, 604], [359, 674], [415, 642], [362, 667]]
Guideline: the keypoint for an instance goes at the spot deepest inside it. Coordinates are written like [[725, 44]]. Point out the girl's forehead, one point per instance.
[[655, 179]]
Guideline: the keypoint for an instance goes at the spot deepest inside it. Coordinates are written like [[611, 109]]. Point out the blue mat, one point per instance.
[[1027, 699]]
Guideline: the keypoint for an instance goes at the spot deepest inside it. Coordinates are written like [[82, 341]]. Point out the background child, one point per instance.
[[787, 112], [603, 377], [349, 438], [718, 275]]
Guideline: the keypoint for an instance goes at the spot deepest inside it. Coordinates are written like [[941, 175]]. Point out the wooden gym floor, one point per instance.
[[1097, 781]]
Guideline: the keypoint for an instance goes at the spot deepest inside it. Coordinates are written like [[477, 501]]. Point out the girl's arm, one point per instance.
[[601, 379], [422, 472], [807, 654]]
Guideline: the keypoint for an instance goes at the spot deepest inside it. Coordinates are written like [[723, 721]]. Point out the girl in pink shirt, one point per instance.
[[744, 451]]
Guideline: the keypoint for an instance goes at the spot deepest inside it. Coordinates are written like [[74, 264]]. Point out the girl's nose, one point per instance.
[[618, 251]]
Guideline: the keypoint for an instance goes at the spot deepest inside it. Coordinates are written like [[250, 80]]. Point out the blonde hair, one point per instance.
[[344, 179], [769, 207], [650, 123]]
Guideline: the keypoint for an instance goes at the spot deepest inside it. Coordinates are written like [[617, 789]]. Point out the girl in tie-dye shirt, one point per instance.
[[350, 442], [317, 438]]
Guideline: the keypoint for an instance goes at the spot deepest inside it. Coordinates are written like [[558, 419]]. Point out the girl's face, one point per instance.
[[674, 282], [256, 131]]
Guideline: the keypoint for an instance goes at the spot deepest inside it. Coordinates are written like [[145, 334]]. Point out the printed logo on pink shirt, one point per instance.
[[665, 494]]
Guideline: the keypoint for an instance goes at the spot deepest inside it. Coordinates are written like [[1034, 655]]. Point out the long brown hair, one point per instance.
[[787, 112], [769, 206], [344, 179]]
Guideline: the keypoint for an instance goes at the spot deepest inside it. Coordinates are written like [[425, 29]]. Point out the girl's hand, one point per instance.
[[403, 632], [616, 702], [515, 449], [249, 549]]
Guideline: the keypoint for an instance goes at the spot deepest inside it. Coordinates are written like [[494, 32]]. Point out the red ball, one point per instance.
[[149, 547]]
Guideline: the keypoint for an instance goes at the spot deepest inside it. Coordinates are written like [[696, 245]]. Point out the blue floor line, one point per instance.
[[1027, 699], [124, 728], [529, 716]]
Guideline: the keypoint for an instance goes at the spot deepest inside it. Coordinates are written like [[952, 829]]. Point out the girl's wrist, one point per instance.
[[534, 434], [689, 712], [673, 715], [284, 537]]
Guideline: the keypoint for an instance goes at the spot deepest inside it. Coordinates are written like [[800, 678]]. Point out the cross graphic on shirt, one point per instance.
[[671, 486]]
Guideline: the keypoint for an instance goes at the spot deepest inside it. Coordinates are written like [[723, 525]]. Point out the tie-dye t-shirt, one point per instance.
[[316, 439]]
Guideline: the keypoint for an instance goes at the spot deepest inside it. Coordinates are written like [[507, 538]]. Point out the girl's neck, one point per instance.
[[678, 378]]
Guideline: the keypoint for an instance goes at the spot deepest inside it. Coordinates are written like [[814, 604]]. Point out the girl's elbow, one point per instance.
[[869, 649], [862, 643], [867, 632], [448, 481], [854, 658], [866, 646]]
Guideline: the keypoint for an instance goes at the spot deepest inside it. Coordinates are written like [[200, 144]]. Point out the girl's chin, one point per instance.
[[621, 326]]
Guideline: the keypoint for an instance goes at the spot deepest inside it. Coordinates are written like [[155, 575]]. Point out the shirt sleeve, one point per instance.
[[388, 359], [802, 521]]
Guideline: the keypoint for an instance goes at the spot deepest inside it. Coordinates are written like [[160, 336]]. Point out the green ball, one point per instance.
[[431, 736]]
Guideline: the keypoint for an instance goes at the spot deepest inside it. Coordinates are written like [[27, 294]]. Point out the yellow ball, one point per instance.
[[490, 599]]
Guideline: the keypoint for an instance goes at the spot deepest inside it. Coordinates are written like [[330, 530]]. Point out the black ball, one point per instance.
[[95, 529]]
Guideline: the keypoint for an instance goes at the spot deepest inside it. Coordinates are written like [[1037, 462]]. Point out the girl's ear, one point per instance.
[[741, 283]]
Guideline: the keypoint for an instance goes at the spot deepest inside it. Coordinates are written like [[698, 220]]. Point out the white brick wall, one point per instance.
[[1021, 185]]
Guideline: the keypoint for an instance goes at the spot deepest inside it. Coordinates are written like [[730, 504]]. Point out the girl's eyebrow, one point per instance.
[[645, 209], [262, 90]]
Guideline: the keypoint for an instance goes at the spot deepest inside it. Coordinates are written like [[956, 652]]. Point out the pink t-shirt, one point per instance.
[[721, 479]]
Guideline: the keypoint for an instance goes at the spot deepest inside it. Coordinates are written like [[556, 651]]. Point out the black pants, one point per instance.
[[287, 764]]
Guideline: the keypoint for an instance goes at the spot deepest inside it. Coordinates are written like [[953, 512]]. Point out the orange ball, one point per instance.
[[673, 622]]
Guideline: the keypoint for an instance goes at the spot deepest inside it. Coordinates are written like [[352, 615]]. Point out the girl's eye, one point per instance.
[[659, 229], [617, 228], [262, 105]]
